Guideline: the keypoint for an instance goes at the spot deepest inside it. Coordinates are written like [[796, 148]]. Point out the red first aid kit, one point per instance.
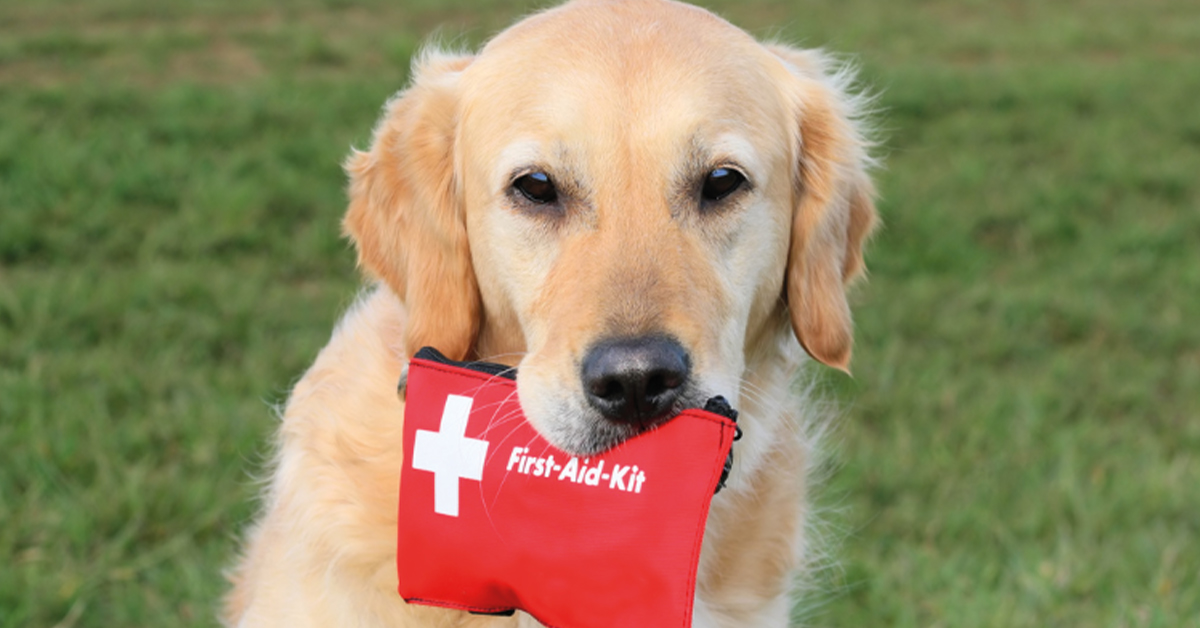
[[494, 519]]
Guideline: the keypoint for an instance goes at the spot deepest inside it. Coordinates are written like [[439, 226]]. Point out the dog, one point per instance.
[[638, 206]]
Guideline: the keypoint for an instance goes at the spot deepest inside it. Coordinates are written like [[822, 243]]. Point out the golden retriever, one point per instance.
[[638, 205]]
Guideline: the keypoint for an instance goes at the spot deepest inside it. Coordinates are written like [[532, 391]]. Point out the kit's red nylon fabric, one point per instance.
[[593, 553]]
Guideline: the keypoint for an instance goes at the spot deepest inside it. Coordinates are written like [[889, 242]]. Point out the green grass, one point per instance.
[[1020, 445]]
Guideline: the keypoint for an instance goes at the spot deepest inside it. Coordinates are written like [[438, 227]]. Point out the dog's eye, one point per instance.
[[721, 182], [537, 187]]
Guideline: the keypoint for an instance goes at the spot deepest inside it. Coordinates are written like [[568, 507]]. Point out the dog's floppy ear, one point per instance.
[[835, 209], [405, 216]]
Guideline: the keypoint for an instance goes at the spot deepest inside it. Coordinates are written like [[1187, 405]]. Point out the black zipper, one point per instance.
[[490, 368]]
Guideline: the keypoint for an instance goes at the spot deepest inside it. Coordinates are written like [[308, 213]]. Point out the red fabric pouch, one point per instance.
[[493, 518]]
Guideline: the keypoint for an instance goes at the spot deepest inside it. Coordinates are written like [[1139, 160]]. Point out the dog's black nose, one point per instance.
[[635, 380]]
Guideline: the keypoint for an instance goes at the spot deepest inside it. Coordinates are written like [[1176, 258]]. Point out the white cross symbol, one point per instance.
[[450, 455]]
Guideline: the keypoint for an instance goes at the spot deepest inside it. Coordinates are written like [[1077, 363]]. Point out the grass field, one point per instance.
[[1020, 445]]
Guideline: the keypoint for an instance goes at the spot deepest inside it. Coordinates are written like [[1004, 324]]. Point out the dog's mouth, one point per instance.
[[590, 422], [588, 432], [566, 418]]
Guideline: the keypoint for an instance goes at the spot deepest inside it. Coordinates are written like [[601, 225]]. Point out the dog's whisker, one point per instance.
[[496, 446], [495, 357], [504, 478]]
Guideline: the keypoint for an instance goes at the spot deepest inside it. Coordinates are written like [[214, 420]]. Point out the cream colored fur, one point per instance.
[[627, 104]]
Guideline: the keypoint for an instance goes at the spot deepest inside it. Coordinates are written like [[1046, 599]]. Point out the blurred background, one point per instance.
[[1019, 446]]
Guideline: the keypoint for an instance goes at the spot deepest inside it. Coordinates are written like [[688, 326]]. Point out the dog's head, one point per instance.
[[633, 197]]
